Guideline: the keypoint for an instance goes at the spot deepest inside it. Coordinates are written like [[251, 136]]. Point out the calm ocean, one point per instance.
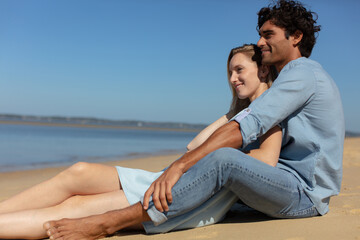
[[28, 146]]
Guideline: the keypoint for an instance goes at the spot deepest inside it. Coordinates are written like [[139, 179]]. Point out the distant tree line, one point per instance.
[[99, 121]]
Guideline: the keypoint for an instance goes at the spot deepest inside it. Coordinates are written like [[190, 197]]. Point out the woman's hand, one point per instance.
[[160, 189]]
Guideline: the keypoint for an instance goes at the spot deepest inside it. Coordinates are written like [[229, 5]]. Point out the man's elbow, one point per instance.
[[234, 134]]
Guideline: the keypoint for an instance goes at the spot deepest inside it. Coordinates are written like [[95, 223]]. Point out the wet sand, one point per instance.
[[342, 222]]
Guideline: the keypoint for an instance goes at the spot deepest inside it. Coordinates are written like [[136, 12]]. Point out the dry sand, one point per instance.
[[342, 222]]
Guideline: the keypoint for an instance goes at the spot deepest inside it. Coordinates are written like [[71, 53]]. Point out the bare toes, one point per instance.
[[56, 236], [48, 225], [51, 231]]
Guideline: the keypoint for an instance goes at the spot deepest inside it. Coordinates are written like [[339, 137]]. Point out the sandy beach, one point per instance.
[[342, 222]]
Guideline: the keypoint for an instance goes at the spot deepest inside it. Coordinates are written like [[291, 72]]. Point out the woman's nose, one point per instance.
[[233, 78]]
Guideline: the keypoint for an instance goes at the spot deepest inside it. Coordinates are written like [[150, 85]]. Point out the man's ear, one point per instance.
[[263, 72], [297, 37]]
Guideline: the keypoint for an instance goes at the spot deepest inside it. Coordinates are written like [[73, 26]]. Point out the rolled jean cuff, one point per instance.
[[156, 216]]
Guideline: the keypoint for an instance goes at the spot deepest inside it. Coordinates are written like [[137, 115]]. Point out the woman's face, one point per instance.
[[244, 77]]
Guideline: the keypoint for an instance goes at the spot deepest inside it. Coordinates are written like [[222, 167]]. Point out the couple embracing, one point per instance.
[[278, 150]]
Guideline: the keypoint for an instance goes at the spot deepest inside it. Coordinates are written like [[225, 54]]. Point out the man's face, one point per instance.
[[276, 49]]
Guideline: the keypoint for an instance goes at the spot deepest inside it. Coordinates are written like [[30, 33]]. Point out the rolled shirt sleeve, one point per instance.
[[292, 90]]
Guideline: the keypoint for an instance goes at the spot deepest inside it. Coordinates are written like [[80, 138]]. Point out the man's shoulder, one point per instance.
[[300, 69], [303, 64], [306, 69]]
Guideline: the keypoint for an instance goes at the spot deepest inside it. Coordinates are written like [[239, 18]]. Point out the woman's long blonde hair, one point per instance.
[[254, 53]]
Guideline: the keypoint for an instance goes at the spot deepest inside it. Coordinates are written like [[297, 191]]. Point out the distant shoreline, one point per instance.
[[52, 124]]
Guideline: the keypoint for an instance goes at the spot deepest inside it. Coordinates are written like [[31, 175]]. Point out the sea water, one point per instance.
[[30, 146]]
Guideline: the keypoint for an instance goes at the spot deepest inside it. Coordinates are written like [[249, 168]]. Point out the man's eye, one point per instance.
[[267, 36], [239, 69]]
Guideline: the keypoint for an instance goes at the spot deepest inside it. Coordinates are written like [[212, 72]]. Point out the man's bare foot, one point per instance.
[[97, 226], [88, 228]]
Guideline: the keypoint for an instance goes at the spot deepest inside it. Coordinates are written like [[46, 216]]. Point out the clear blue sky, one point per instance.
[[149, 60]]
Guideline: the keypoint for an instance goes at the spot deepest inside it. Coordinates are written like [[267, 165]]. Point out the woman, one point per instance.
[[87, 189]]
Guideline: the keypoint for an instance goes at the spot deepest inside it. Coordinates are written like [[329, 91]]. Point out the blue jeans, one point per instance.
[[270, 190]]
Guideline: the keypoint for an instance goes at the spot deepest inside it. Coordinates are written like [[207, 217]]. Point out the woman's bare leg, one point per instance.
[[28, 224], [79, 179]]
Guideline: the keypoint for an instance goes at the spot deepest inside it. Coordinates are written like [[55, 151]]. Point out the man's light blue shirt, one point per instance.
[[305, 101]]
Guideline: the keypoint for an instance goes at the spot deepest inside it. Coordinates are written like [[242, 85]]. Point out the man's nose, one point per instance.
[[261, 42]]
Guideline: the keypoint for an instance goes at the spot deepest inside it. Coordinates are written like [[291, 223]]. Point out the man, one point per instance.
[[303, 100]]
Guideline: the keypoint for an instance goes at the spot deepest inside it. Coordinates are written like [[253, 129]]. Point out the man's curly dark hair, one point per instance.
[[292, 16]]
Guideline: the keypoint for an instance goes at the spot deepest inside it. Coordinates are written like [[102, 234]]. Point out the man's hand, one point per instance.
[[160, 189]]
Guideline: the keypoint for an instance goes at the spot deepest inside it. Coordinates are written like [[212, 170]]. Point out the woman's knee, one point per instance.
[[75, 172], [79, 168]]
